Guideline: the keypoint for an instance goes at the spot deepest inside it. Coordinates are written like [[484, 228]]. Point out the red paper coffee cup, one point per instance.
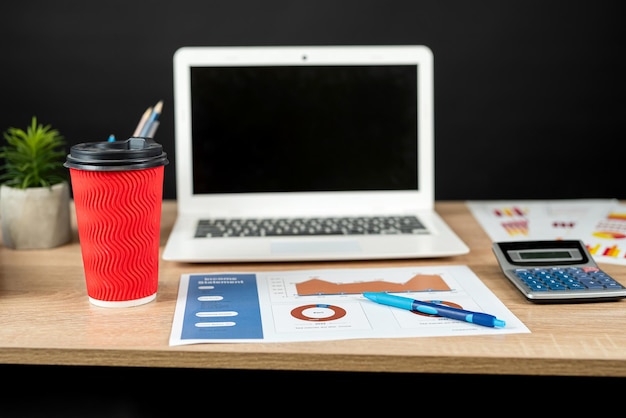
[[118, 193]]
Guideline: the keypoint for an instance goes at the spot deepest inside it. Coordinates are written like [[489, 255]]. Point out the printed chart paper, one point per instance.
[[328, 304], [599, 223]]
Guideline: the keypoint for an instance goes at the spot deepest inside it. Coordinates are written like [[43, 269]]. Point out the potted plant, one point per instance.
[[34, 189]]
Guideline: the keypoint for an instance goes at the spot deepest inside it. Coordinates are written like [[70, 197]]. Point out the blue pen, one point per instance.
[[478, 318]]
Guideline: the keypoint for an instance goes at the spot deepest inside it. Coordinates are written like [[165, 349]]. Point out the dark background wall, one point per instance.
[[530, 96]]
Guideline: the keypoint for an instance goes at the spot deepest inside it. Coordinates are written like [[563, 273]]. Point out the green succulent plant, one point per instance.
[[33, 157]]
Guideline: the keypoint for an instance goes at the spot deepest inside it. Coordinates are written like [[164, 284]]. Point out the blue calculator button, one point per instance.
[[554, 285], [613, 285], [566, 278], [592, 284]]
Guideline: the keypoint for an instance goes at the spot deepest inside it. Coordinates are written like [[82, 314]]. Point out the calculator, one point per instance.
[[556, 271]]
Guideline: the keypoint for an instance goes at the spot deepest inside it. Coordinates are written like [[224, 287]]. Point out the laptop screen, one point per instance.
[[301, 128]]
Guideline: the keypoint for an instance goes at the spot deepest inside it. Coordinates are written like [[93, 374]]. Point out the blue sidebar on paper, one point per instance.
[[222, 306]]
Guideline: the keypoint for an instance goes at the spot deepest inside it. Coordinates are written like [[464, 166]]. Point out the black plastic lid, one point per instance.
[[131, 154]]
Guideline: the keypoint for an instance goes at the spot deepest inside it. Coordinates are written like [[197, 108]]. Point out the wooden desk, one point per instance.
[[47, 320]]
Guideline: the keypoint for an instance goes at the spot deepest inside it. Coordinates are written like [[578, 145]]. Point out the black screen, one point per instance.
[[304, 128], [560, 255]]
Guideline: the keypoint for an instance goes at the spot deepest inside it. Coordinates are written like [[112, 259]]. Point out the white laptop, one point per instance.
[[297, 153]]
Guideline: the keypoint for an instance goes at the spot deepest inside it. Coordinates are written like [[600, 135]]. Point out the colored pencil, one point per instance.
[[154, 116], [142, 121]]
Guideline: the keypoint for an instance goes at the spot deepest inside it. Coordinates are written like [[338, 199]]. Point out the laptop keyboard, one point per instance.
[[214, 228]]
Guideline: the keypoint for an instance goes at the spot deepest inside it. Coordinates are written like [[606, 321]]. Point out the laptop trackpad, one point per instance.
[[305, 247]]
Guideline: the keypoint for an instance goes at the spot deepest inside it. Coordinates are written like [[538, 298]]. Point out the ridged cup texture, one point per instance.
[[118, 215]]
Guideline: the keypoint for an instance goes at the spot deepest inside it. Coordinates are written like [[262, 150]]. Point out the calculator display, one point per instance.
[[545, 254], [551, 255]]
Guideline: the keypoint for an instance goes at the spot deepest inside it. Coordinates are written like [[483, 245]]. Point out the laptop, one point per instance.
[[296, 153]]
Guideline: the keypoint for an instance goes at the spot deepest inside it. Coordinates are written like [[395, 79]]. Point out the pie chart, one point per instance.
[[318, 312]]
